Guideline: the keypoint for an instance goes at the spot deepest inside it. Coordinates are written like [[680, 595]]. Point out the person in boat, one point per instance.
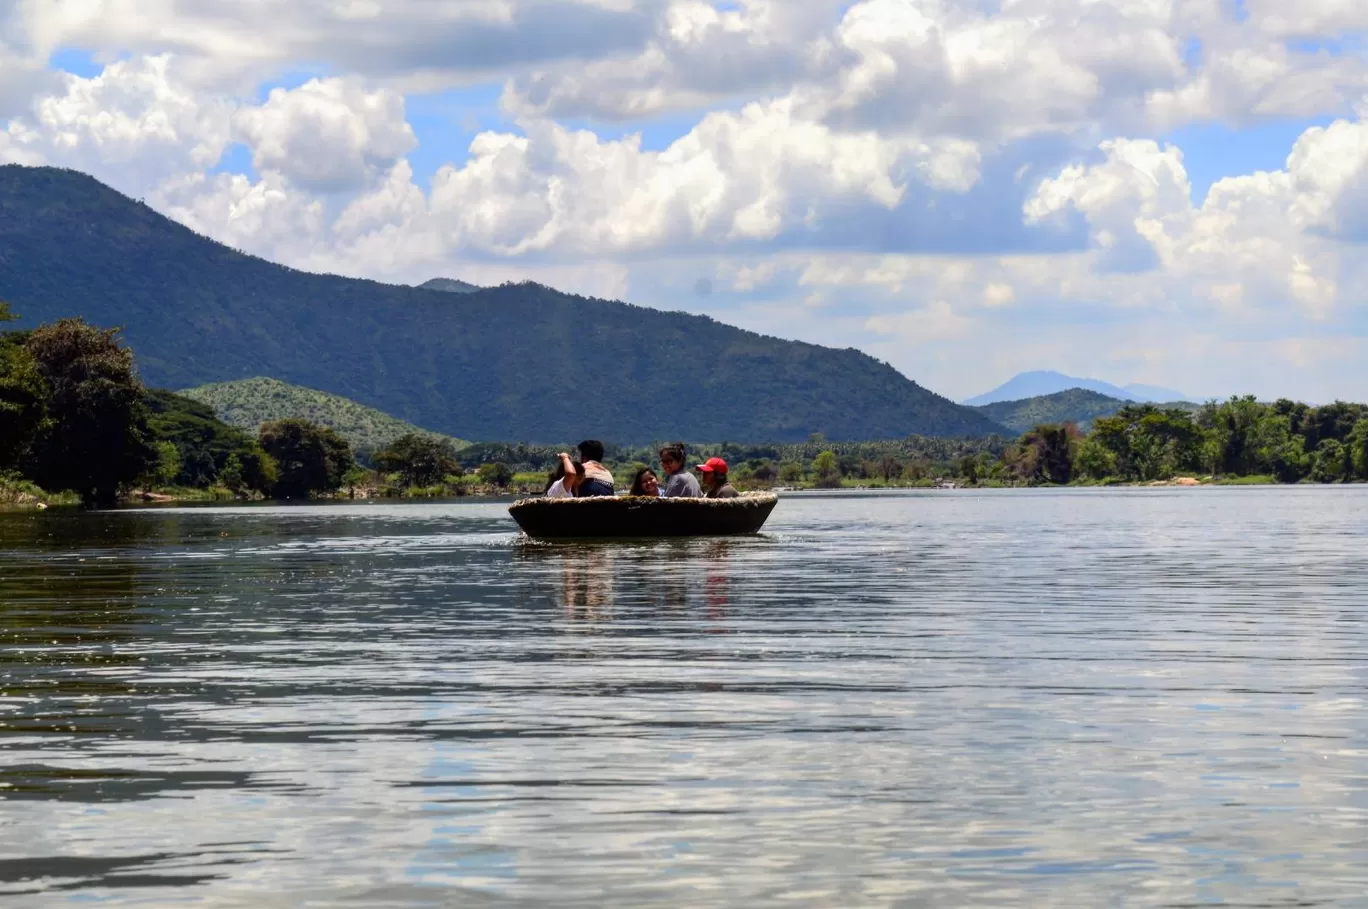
[[681, 484], [714, 472], [566, 480], [598, 480], [645, 483]]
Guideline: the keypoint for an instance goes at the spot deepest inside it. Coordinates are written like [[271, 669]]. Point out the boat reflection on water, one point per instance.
[[600, 582], [587, 585]]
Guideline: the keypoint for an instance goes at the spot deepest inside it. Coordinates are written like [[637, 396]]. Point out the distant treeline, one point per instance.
[[75, 418]]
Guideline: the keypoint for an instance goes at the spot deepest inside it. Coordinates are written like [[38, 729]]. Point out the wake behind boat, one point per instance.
[[642, 516]]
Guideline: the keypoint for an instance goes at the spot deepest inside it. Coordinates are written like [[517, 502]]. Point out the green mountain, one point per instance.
[[519, 361], [1075, 405], [247, 403]]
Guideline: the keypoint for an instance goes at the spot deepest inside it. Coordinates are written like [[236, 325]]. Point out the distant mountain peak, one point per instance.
[[450, 286], [1039, 383]]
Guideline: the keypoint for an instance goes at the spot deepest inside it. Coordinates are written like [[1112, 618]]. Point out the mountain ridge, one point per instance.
[[1042, 382], [495, 368]]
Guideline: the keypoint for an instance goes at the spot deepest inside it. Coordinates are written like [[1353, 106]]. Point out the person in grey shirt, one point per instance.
[[681, 483]]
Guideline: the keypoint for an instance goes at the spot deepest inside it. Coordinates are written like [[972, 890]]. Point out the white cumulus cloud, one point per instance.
[[327, 134]]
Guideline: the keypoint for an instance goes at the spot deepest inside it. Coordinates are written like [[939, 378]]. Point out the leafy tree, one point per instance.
[[1331, 463], [971, 468], [1273, 449], [311, 458], [1232, 425], [1149, 443], [1048, 454], [1333, 421], [765, 471], [1358, 449], [232, 476], [497, 474], [1095, 460], [168, 464], [23, 397], [95, 438], [790, 472], [916, 470], [419, 460], [828, 470]]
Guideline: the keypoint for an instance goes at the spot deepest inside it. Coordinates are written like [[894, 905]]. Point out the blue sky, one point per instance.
[[965, 189]]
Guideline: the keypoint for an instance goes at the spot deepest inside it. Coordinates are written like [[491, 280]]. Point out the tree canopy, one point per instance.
[[310, 458], [94, 438], [419, 460]]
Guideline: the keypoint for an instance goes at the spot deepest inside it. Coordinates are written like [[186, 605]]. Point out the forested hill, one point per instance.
[[1079, 406], [495, 367], [247, 403], [1076, 405]]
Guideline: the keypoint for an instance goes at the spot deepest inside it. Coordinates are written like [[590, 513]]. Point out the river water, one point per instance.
[[1145, 697]]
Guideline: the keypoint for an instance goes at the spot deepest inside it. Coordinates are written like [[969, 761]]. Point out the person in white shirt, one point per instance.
[[569, 476]]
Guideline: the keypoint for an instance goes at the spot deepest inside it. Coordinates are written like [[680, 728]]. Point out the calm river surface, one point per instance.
[[1057, 698]]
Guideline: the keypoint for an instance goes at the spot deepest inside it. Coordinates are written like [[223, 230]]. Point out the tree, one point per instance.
[[95, 438], [23, 398], [1331, 462], [1152, 444], [1272, 448], [1095, 460], [419, 460], [311, 458], [828, 470], [790, 472], [167, 466], [231, 476], [497, 474], [1049, 453], [916, 471], [765, 471], [1358, 449], [1232, 424]]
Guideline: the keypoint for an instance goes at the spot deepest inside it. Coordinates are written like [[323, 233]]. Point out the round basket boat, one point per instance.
[[638, 516]]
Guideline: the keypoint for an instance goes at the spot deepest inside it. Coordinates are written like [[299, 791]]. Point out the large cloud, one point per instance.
[[327, 134], [132, 124], [753, 178]]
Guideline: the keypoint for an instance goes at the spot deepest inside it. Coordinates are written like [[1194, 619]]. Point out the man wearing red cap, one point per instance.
[[714, 474]]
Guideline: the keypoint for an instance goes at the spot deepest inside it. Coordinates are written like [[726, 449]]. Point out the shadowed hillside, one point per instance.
[[495, 367]]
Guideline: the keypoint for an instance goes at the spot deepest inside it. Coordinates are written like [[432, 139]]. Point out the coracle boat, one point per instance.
[[639, 516]]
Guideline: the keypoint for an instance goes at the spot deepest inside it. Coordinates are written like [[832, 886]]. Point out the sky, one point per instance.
[[1171, 192]]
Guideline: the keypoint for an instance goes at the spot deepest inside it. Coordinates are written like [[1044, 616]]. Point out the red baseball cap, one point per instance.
[[716, 464]]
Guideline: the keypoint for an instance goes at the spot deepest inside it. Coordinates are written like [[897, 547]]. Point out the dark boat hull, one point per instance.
[[626, 516]]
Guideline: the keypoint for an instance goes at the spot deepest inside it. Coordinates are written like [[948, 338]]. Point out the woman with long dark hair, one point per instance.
[[645, 483]]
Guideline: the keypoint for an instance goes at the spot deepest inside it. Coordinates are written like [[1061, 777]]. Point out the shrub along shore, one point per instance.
[[77, 426]]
